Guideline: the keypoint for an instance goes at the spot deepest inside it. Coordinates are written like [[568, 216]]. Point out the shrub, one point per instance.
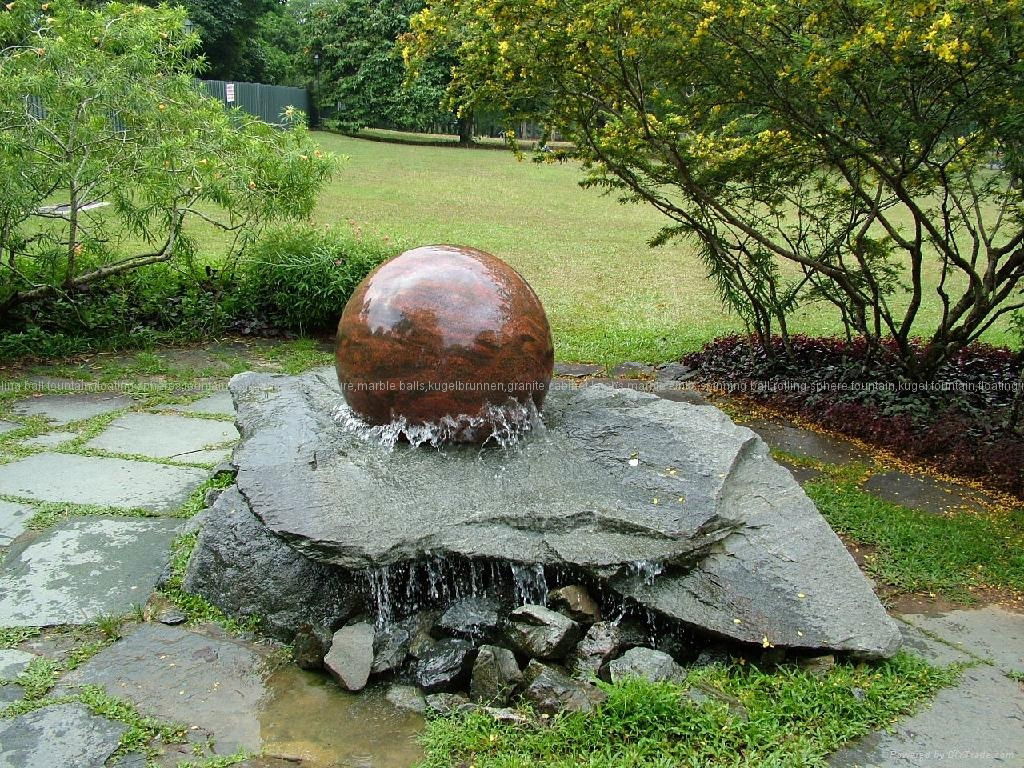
[[966, 422], [298, 278], [159, 302]]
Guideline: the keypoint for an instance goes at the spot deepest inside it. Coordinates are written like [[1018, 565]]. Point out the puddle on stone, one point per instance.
[[307, 717]]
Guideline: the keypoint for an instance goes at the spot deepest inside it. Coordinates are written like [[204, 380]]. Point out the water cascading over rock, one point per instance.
[[659, 507]]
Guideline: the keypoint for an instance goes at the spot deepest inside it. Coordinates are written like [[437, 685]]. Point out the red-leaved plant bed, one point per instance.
[[960, 422]]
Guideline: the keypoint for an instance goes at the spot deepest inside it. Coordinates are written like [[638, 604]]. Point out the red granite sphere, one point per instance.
[[441, 331]]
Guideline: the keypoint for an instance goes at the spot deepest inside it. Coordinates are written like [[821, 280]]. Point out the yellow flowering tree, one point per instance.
[[862, 152]]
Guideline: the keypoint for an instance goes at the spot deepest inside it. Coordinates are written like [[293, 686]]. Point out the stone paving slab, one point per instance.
[[219, 403], [919, 492], [976, 724], [930, 649], [65, 477], [83, 569], [991, 632], [49, 439], [803, 442], [10, 694], [13, 518], [62, 409], [167, 436], [8, 426], [176, 675], [62, 736], [13, 663]]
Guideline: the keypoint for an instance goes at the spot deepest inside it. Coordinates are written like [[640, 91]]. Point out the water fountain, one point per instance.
[[420, 474]]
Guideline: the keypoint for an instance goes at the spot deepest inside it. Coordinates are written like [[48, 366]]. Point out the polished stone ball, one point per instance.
[[442, 331]]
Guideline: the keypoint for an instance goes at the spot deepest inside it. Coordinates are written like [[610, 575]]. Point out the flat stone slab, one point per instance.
[[82, 569], [49, 439], [167, 436], [63, 409], [217, 403], [976, 724], [919, 492], [790, 438], [669, 503], [13, 518], [74, 479], [185, 677], [10, 694], [13, 663], [578, 370], [8, 426], [930, 649], [993, 633], [58, 736]]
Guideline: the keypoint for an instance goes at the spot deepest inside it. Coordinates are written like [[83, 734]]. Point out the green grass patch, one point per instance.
[[12, 637], [920, 551], [294, 357], [786, 717]]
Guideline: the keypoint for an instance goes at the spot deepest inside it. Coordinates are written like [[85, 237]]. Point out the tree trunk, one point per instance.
[[466, 130]]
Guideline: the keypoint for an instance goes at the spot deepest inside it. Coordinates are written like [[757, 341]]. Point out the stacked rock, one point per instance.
[[475, 654]]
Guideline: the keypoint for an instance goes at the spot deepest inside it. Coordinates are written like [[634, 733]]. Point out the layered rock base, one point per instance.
[[663, 509]]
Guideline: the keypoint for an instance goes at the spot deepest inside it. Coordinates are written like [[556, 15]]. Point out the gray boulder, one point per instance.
[[542, 633], [495, 675], [406, 697], [445, 666], [602, 642], [474, 618], [700, 526], [549, 691], [245, 570], [351, 656], [390, 649], [310, 646], [646, 663], [576, 603]]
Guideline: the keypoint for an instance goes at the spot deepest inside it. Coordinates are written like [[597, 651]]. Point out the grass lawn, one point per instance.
[[722, 716], [608, 295]]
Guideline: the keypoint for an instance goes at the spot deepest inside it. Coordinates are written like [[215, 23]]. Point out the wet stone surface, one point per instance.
[[58, 736], [8, 426], [82, 569], [197, 678], [63, 409], [703, 526], [100, 481]]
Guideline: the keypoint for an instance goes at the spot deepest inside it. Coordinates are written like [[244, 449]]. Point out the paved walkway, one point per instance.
[[91, 488]]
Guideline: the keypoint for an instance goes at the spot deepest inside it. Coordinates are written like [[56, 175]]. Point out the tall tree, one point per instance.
[[361, 71], [863, 152]]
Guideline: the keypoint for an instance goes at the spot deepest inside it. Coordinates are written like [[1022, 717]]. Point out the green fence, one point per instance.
[[267, 102]]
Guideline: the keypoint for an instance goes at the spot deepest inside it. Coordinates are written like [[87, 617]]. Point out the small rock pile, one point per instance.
[[476, 654]]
